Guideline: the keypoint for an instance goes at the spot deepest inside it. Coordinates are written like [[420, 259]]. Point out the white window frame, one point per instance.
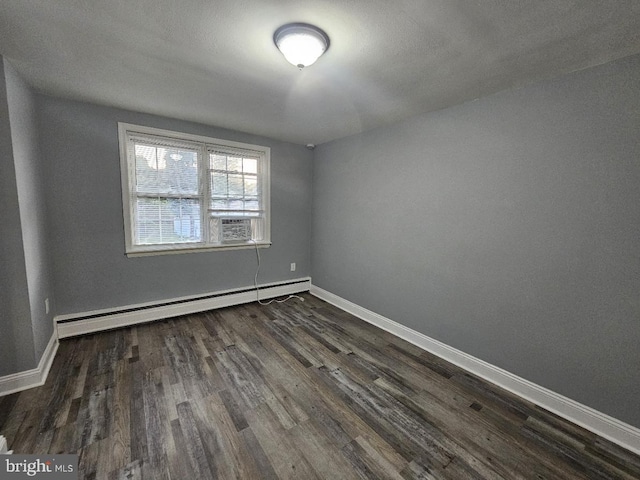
[[203, 144]]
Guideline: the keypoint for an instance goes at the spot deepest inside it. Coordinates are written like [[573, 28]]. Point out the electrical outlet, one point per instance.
[[46, 305], [293, 267]]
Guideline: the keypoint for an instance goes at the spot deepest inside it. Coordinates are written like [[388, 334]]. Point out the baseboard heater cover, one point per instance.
[[100, 320]]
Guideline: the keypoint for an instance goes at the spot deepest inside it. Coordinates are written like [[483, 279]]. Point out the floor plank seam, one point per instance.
[[294, 390]]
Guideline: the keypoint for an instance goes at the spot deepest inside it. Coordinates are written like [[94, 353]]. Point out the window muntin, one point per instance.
[[178, 187], [234, 183]]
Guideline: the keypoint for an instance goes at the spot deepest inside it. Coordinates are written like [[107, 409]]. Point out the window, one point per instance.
[[184, 192]]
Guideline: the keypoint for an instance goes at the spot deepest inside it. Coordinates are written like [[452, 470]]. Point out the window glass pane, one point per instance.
[[146, 168], [219, 184], [236, 204], [251, 204], [236, 186], [234, 164], [250, 186], [166, 170], [167, 220], [219, 204], [182, 171], [250, 165], [186, 221], [218, 162]]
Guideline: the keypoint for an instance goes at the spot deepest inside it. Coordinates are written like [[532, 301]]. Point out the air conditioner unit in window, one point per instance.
[[235, 230]]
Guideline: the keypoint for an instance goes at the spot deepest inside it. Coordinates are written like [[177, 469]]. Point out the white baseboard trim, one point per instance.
[[4, 448], [597, 422], [98, 320], [16, 382]]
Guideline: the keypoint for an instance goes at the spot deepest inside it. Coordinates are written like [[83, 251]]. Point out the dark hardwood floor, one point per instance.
[[295, 390]]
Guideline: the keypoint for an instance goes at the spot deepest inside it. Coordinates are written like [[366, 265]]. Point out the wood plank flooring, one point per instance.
[[300, 390]]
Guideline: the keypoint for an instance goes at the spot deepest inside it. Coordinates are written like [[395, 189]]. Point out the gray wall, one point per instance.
[[80, 146], [16, 338], [30, 183], [507, 227]]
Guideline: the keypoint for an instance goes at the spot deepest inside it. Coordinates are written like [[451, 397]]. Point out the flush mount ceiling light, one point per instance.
[[300, 43]]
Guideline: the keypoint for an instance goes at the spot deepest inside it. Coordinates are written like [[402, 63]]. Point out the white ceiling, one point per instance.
[[215, 62]]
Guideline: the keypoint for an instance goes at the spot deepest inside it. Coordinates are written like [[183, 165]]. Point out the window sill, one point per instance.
[[154, 250]]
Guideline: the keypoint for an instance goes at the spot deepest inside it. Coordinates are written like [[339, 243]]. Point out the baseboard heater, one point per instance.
[[91, 322]]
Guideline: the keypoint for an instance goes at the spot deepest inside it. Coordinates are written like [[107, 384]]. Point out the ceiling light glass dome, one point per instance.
[[300, 43]]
